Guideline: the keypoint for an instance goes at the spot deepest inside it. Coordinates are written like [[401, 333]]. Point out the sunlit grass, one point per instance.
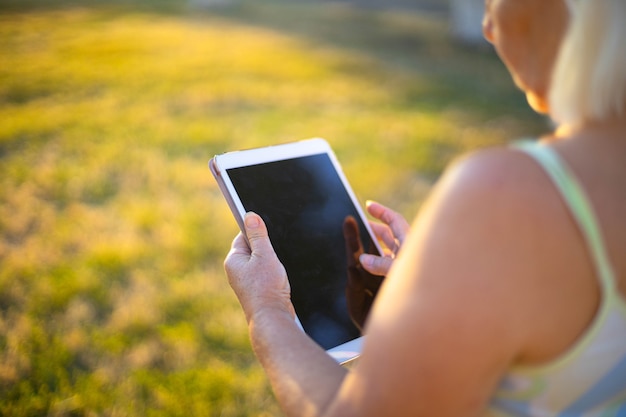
[[112, 231]]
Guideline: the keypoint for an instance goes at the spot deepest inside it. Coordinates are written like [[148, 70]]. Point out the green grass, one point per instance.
[[112, 232]]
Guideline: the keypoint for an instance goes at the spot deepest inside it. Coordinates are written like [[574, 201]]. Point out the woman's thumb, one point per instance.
[[256, 232]]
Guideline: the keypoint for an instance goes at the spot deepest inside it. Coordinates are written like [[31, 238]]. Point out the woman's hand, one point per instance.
[[254, 271], [392, 232]]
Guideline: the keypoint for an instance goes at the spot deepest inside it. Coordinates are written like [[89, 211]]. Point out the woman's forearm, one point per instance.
[[304, 377]]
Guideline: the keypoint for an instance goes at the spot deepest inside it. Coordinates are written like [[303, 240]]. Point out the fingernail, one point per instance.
[[252, 221], [365, 260]]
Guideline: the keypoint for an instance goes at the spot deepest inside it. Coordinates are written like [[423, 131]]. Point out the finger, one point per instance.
[[256, 231], [398, 225], [383, 232], [239, 252], [377, 265], [239, 245]]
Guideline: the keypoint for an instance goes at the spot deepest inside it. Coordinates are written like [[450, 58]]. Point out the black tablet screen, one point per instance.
[[304, 204]]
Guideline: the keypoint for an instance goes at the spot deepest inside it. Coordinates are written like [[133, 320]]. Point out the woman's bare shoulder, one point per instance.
[[495, 184], [503, 201], [502, 220], [501, 170]]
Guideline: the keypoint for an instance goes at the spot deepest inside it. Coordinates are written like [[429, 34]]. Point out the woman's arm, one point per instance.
[[449, 320], [305, 379]]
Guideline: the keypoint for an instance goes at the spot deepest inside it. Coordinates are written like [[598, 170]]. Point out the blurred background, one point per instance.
[[113, 301]]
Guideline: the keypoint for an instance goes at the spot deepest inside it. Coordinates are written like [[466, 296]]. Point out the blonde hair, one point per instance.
[[589, 78]]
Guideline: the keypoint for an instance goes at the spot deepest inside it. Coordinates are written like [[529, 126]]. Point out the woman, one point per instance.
[[508, 295]]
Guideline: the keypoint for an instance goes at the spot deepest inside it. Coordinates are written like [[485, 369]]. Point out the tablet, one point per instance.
[[317, 229]]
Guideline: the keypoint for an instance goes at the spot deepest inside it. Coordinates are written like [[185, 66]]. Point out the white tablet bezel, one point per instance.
[[221, 163]]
